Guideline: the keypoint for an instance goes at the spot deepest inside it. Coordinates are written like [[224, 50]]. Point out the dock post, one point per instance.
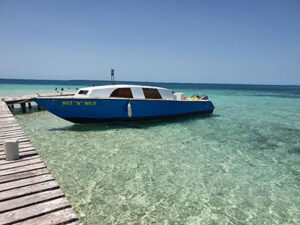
[[12, 106], [39, 108], [23, 106], [29, 105], [11, 149]]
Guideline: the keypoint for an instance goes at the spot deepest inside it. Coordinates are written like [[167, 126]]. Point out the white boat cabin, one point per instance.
[[126, 91]]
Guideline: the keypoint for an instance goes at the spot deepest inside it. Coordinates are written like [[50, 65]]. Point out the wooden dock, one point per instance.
[[29, 194], [29, 98], [22, 100]]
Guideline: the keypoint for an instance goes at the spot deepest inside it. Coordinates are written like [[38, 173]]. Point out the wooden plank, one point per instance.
[[27, 154], [23, 175], [20, 150], [64, 216], [22, 169], [22, 140], [7, 125], [21, 147], [22, 154], [17, 192], [11, 136], [10, 127], [2, 162], [21, 143], [30, 199], [33, 211], [75, 223], [10, 120], [10, 123], [25, 182], [6, 115], [10, 132], [6, 132], [19, 163]]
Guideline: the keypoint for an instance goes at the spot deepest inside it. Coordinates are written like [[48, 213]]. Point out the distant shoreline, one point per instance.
[[103, 82]]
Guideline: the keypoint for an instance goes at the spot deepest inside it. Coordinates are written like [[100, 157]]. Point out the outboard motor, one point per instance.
[[203, 97], [196, 97]]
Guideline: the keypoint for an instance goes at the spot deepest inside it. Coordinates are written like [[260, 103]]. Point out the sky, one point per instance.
[[202, 41]]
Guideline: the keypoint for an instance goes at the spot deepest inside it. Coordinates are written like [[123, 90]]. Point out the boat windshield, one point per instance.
[[151, 93], [83, 92], [122, 93]]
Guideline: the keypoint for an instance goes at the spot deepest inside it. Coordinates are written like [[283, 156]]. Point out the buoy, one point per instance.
[[129, 110], [11, 149]]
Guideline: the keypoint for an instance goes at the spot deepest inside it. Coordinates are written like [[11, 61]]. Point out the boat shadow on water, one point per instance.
[[136, 124]]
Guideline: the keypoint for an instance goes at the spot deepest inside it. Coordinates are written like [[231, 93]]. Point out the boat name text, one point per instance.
[[79, 103]]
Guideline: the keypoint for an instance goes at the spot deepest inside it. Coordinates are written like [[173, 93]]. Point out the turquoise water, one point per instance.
[[239, 166]]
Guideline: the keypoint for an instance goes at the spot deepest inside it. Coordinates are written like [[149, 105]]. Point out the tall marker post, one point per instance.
[[112, 76]]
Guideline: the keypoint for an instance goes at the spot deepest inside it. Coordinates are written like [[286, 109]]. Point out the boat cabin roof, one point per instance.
[[125, 91]]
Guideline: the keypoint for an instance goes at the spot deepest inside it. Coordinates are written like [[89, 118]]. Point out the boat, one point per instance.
[[124, 102]]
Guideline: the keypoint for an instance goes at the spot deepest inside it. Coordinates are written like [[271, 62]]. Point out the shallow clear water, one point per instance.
[[239, 166]]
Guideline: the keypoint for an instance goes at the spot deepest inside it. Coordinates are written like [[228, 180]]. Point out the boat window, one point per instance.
[[83, 92], [122, 93], [151, 93]]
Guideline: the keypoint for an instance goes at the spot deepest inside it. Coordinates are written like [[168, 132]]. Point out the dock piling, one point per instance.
[[11, 149], [23, 106]]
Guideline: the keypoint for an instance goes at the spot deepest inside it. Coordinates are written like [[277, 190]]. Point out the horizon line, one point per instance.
[[147, 81]]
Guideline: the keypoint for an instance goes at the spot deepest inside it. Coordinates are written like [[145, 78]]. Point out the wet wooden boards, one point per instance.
[[29, 194]]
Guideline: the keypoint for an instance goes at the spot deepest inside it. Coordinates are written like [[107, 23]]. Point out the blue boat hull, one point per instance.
[[95, 110]]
